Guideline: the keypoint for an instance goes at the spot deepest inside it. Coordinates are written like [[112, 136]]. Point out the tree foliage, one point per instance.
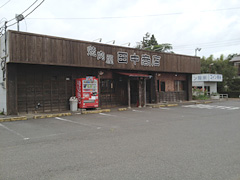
[[150, 43], [222, 66]]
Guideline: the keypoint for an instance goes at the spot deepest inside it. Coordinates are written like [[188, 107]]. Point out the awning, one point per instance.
[[135, 75]]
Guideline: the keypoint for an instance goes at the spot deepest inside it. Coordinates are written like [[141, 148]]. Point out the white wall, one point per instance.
[[3, 91], [212, 85]]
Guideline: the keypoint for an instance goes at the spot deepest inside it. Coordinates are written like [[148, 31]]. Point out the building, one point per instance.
[[207, 82], [39, 72], [236, 61]]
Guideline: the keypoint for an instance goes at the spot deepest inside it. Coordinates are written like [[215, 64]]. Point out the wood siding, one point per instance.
[[48, 50]]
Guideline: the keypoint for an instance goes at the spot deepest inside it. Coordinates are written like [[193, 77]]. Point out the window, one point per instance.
[[179, 85], [163, 86], [158, 86], [107, 86]]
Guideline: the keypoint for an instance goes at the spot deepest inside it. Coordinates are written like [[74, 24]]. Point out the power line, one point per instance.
[[5, 4], [34, 9], [24, 10], [29, 7], [1, 21], [140, 16], [209, 46], [231, 41], [28, 13]]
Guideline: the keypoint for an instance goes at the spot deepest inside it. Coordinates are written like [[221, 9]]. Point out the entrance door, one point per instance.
[[148, 91], [134, 92]]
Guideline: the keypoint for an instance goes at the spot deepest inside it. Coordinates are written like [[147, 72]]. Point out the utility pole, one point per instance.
[[19, 17]]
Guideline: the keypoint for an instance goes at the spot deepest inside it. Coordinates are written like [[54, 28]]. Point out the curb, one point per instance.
[[172, 105], [204, 102], [163, 105], [13, 119], [207, 102], [122, 109], [158, 105], [96, 111], [51, 115], [22, 118]]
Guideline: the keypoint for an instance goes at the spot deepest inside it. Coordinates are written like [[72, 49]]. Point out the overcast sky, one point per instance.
[[213, 25]]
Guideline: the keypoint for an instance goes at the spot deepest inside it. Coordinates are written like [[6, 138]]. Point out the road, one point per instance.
[[186, 142]]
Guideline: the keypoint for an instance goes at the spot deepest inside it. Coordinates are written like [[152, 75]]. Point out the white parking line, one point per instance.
[[67, 120], [164, 108], [50, 135], [136, 110], [203, 106], [14, 132], [104, 114]]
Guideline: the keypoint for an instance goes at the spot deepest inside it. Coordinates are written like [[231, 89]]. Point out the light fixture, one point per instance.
[[113, 42], [100, 73], [197, 49], [19, 17], [128, 44], [99, 40]]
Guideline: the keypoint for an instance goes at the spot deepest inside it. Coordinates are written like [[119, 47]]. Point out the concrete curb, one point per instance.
[[21, 118], [163, 105], [96, 111], [207, 102], [122, 109], [51, 115], [172, 105]]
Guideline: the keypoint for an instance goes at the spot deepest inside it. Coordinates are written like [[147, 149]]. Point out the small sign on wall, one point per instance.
[[207, 77]]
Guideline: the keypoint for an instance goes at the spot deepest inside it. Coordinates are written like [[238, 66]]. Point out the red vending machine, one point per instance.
[[87, 92]]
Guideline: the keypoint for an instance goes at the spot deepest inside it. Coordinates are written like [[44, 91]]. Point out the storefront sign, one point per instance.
[[156, 60], [101, 55], [146, 60], [134, 58], [109, 59], [207, 77], [91, 51], [122, 57]]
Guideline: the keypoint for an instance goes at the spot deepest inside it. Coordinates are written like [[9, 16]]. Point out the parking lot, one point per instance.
[[184, 142]]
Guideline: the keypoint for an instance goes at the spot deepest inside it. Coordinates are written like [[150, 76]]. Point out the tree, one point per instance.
[[222, 66], [150, 43]]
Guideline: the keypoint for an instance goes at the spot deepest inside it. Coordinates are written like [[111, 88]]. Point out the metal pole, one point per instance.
[[5, 50], [145, 93], [18, 25], [99, 90], [129, 94], [140, 93]]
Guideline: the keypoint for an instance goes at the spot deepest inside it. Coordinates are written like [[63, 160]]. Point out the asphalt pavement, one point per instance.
[[199, 142]]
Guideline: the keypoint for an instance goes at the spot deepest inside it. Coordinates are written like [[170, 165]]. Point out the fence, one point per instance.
[[171, 96]]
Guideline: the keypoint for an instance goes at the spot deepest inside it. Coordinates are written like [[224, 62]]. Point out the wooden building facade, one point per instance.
[[41, 71]]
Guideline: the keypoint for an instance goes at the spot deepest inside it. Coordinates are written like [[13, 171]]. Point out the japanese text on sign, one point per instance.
[[122, 57], [134, 58], [156, 60], [207, 77], [146, 60]]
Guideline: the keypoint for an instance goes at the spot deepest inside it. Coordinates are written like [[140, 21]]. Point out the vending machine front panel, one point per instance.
[[88, 92]]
